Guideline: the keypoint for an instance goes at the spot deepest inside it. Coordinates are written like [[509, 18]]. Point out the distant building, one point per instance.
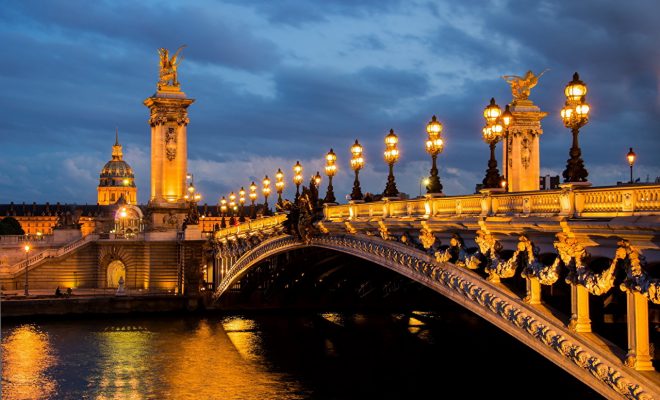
[[549, 182], [117, 179]]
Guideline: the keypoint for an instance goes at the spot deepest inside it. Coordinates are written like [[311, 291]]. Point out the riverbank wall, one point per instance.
[[97, 305]]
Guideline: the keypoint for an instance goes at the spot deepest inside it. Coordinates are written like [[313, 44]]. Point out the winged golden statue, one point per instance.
[[521, 85], [168, 67]]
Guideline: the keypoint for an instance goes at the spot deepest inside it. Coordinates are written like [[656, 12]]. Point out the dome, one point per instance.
[[117, 172]]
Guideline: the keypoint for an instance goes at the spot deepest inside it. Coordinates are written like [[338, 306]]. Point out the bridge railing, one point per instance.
[[570, 201], [252, 225]]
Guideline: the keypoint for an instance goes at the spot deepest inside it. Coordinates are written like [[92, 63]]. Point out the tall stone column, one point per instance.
[[169, 152], [521, 147]]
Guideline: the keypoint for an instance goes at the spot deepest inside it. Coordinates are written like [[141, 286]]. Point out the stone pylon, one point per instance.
[[169, 153], [521, 156]]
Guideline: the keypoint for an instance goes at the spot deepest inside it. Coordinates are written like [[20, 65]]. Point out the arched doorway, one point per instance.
[[116, 269]]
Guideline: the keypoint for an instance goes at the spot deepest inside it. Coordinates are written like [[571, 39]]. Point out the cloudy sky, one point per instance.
[[280, 81]]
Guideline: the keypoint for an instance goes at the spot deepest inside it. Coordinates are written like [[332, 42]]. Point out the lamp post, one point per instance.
[[232, 203], [314, 185], [27, 252], [507, 120], [492, 133], [232, 208], [391, 156], [223, 211], [357, 162], [297, 177], [122, 220], [424, 181], [631, 160], [279, 186], [192, 197], [241, 202], [434, 146], [253, 198], [330, 170], [266, 191], [575, 115]]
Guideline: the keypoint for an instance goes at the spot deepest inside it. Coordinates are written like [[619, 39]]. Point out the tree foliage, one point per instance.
[[10, 226]]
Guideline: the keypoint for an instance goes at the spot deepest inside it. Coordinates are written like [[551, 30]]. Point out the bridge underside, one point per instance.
[[537, 326]]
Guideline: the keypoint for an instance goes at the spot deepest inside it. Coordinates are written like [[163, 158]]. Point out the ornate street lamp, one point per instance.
[[27, 252], [507, 119], [223, 211], [253, 198], [223, 205], [492, 133], [241, 202], [122, 220], [232, 204], [391, 156], [434, 146], [575, 115], [330, 170], [317, 179], [631, 160], [266, 192], [279, 185], [297, 177], [357, 162], [314, 185], [192, 197]]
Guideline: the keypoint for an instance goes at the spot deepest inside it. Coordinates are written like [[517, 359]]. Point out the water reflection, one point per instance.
[[124, 363], [241, 332], [26, 357], [224, 361], [319, 355]]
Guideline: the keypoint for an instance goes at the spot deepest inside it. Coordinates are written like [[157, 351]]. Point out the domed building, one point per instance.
[[117, 179]]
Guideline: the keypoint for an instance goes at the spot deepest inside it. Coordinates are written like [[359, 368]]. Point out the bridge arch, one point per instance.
[[531, 325]]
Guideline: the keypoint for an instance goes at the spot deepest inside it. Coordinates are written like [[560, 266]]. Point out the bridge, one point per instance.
[[479, 250]]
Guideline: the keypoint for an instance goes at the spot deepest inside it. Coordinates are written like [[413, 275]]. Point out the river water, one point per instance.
[[278, 355]]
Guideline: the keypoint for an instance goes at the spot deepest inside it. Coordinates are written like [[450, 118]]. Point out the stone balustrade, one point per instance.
[[258, 224], [569, 201], [48, 253]]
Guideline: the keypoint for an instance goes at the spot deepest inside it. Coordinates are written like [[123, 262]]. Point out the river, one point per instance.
[[275, 355]]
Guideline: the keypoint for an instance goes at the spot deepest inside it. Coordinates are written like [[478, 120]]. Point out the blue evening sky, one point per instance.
[[281, 81]]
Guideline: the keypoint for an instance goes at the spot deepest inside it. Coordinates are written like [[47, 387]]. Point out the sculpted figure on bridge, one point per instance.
[[306, 216], [491, 248], [521, 85], [457, 254], [426, 236], [533, 268], [637, 279], [168, 67]]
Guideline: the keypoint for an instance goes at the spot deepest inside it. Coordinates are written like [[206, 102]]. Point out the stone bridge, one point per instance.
[[471, 249]]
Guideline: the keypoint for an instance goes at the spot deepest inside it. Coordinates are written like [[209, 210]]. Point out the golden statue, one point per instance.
[[168, 67], [521, 85]]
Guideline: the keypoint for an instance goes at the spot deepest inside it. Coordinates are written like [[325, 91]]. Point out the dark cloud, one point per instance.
[[213, 36], [299, 13], [75, 70]]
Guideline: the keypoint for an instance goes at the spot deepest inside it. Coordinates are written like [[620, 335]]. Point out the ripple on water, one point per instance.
[[27, 355]]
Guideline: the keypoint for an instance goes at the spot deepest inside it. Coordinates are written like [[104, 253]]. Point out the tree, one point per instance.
[[10, 226]]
